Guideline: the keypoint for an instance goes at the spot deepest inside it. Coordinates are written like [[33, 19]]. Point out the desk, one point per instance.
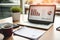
[[51, 34]]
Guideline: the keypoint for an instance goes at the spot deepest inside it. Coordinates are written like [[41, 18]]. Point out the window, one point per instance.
[[4, 12], [38, 2], [42, 1], [5, 6]]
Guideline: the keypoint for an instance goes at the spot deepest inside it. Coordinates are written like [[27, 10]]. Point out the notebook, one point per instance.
[[40, 16]]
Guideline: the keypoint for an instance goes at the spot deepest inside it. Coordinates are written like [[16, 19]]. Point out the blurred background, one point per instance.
[[5, 6]]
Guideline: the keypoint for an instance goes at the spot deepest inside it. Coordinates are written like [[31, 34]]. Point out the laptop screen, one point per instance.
[[42, 12]]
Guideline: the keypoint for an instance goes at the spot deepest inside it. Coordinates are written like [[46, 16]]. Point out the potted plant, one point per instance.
[[16, 11]]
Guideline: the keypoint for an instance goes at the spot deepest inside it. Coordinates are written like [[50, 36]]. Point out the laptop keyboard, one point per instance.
[[46, 24], [42, 23]]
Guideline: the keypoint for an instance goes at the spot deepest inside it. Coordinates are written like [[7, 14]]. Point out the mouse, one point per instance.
[[58, 28]]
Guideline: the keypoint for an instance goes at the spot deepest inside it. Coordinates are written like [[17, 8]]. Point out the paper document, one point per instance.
[[30, 33]]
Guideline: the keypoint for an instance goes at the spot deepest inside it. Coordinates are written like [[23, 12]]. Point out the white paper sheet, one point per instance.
[[30, 32]]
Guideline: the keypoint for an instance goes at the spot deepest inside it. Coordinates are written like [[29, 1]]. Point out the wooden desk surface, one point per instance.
[[51, 34]]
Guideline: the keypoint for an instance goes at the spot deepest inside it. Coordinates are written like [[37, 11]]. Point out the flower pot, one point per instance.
[[16, 16]]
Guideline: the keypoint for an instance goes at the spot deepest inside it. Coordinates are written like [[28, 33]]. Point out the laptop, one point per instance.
[[40, 16]]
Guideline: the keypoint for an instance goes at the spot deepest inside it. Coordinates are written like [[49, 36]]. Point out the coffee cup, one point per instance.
[[6, 30]]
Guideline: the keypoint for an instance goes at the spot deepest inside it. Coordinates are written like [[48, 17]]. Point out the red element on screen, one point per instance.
[[34, 12], [50, 12]]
